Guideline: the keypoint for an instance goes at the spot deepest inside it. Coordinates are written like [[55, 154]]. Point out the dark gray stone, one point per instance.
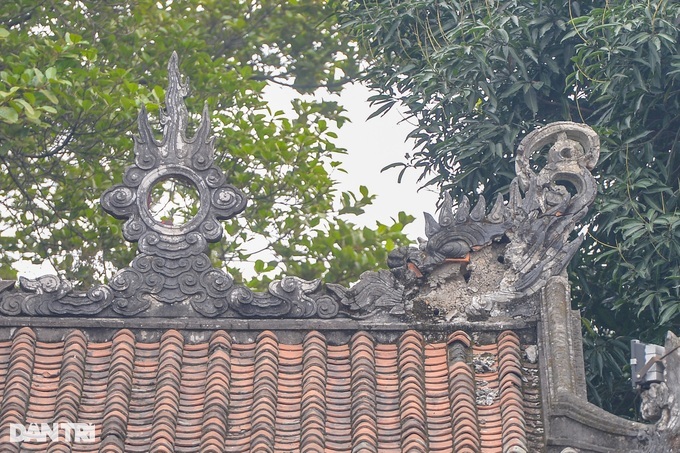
[[570, 420]]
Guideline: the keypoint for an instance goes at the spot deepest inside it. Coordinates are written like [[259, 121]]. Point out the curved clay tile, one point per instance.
[[265, 391], [118, 389], [362, 390], [191, 398], [289, 398], [217, 388], [461, 337], [338, 401], [387, 397], [166, 400], [414, 436], [313, 405], [140, 417], [309, 397], [18, 386], [437, 398], [241, 396], [464, 420], [44, 388], [71, 379], [511, 401]]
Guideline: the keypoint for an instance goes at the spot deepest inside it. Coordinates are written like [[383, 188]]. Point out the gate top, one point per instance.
[[172, 275]]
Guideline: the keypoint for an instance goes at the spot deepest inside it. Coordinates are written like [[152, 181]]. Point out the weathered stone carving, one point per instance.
[[546, 216], [375, 290], [291, 297], [661, 402], [172, 266], [455, 235], [538, 219], [49, 295]]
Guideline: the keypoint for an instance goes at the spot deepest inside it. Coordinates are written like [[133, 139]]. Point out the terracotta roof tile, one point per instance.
[[313, 401], [167, 392], [118, 389], [338, 402], [461, 386], [412, 409], [288, 421], [363, 392], [511, 399], [267, 396], [17, 390], [265, 393], [217, 389]]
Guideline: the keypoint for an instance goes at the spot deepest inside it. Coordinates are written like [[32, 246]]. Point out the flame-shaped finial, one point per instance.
[[172, 246], [175, 117]]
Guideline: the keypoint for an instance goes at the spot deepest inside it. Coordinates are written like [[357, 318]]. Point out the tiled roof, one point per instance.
[[414, 395]]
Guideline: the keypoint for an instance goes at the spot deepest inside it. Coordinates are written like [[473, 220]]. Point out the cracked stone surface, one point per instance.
[[531, 353], [452, 287], [485, 396]]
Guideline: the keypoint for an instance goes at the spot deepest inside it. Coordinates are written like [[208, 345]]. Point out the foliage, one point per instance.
[[478, 75], [73, 76], [607, 360]]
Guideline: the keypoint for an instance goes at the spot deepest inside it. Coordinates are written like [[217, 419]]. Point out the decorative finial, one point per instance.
[[172, 265], [172, 275]]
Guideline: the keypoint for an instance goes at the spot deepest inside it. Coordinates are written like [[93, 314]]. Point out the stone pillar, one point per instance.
[[661, 403]]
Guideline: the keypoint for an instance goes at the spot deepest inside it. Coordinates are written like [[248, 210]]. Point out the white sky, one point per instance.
[[371, 145]]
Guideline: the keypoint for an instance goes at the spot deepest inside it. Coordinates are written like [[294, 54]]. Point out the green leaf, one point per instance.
[[9, 115], [6, 272], [531, 99], [28, 108], [50, 96], [72, 38]]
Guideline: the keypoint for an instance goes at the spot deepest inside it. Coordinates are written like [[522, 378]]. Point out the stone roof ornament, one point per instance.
[[545, 217], [538, 219], [172, 275], [172, 265]]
